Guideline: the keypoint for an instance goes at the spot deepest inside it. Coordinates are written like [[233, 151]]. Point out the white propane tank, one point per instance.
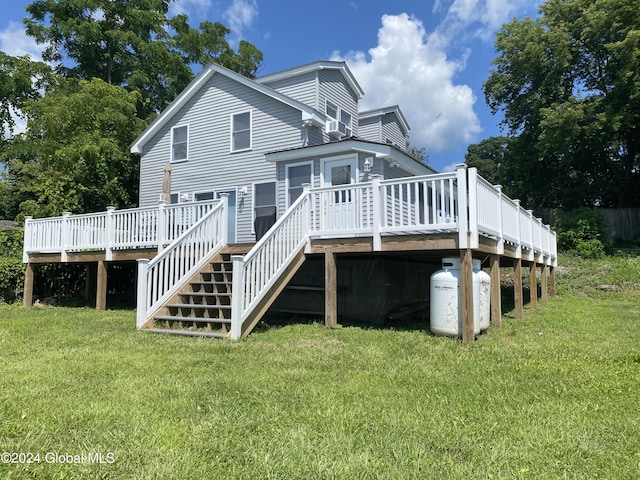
[[484, 306], [445, 302]]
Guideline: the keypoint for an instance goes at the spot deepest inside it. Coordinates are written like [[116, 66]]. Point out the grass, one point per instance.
[[555, 395]]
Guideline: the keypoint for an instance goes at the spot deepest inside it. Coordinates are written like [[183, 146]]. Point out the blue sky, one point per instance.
[[428, 56]]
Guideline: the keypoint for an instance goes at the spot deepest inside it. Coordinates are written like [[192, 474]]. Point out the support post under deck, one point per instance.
[[517, 288], [330, 289], [552, 282], [27, 296], [101, 288], [533, 285], [466, 292], [543, 282], [496, 298]]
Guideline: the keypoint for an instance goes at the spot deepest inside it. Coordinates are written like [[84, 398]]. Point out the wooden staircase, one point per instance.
[[203, 306]]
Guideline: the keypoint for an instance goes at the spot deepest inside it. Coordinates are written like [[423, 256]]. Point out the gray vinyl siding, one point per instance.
[[303, 88], [334, 87], [370, 129], [391, 130], [210, 164], [382, 128]]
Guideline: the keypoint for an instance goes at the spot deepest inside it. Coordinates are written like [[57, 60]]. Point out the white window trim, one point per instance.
[[198, 192], [171, 144], [328, 102], [286, 177], [341, 158], [253, 201], [231, 149]]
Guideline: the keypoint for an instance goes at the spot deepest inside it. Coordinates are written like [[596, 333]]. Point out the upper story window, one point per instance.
[[179, 143], [241, 131], [345, 118], [331, 110]]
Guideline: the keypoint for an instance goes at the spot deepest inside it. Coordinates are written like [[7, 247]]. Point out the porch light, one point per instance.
[[367, 164]]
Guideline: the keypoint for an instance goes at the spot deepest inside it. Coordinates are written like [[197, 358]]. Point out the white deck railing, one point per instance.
[[256, 272], [162, 277], [151, 227]]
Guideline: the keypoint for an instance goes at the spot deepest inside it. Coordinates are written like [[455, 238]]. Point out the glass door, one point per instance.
[[231, 218]]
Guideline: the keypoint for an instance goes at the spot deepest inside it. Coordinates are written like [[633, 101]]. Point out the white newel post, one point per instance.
[[306, 187], [532, 252], [500, 246], [376, 218], [26, 245], [224, 218], [518, 231], [162, 225], [237, 293], [474, 236], [141, 305], [463, 219], [65, 236], [111, 234]]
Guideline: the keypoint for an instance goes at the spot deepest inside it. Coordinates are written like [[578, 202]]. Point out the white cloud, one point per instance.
[[478, 18], [192, 8], [241, 14], [15, 42], [408, 69]]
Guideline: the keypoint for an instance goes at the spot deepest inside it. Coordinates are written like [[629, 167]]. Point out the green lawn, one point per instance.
[[556, 395]]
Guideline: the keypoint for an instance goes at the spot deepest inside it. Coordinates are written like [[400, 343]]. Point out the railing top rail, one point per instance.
[[274, 229], [420, 178], [194, 202], [158, 258], [44, 219]]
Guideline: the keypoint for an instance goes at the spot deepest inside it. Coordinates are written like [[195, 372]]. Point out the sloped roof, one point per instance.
[[201, 79], [313, 67], [354, 144]]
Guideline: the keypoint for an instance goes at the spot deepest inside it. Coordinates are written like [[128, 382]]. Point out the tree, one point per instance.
[[20, 80], [569, 87], [132, 43], [74, 155], [489, 157]]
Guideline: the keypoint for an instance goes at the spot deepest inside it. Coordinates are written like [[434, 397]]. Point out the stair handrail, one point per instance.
[[256, 272], [160, 278]]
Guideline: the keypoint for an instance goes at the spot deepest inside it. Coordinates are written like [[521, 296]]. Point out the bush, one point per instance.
[[581, 233], [11, 278], [11, 243]]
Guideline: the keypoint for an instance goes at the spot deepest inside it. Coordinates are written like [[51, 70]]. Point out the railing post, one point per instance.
[[162, 225], [237, 294], [224, 234], [65, 235], [376, 218], [141, 306], [26, 243], [463, 219], [500, 245], [518, 231], [111, 234], [307, 218], [473, 207]]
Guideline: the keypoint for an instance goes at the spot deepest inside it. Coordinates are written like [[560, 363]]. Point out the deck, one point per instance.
[[456, 213]]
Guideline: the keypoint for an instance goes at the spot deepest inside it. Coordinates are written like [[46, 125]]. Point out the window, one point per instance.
[[179, 143], [331, 110], [200, 196], [297, 175], [241, 131], [345, 118], [264, 199]]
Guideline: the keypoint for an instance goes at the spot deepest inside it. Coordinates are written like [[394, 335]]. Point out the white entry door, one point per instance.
[[339, 203]]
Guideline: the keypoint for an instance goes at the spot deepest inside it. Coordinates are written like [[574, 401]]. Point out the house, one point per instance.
[[283, 196]]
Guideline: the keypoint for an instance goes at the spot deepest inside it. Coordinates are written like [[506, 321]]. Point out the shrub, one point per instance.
[[581, 233], [11, 278], [11, 243]]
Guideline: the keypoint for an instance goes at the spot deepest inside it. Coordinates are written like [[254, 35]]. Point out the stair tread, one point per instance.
[[196, 305], [191, 333], [206, 294], [175, 318], [210, 282]]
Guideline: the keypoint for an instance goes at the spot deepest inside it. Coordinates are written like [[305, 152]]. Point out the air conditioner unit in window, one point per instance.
[[185, 197], [337, 129]]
